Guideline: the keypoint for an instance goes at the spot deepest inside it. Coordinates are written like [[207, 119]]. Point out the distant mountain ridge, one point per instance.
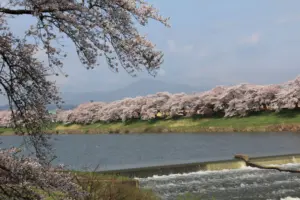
[[140, 88], [49, 107]]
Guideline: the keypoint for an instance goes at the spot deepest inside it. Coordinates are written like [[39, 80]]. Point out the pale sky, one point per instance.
[[211, 42]]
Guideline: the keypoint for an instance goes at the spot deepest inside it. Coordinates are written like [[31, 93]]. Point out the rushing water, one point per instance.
[[136, 150], [243, 184]]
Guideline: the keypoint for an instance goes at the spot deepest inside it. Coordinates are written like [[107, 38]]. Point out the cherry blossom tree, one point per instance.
[[22, 177], [98, 29]]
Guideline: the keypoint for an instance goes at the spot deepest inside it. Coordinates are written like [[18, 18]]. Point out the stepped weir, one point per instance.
[[235, 163]]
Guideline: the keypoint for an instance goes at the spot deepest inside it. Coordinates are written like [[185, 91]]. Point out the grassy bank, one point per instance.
[[288, 120], [112, 187], [284, 121], [104, 187]]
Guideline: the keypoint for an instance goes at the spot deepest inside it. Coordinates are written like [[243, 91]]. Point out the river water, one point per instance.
[[137, 150]]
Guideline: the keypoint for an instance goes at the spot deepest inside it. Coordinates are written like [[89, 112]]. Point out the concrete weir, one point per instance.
[[236, 163]]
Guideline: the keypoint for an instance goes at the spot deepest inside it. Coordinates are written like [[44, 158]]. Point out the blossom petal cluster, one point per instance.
[[26, 178]]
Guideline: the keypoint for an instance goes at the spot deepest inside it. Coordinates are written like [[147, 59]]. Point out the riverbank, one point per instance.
[[100, 186], [285, 121]]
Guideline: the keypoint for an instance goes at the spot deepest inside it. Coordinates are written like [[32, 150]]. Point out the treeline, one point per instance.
[[239, 100]]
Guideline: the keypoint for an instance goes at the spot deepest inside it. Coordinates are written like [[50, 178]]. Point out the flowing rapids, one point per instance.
[[243, 184]]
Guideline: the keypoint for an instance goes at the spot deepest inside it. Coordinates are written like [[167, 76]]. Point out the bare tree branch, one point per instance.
[[251, 164]]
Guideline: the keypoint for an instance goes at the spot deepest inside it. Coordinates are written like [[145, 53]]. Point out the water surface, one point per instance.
[[137, 150]]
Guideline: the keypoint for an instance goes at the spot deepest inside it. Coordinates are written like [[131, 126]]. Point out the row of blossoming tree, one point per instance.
[[239, 100]]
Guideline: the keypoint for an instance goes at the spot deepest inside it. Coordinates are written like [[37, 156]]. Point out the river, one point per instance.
[[138, 150]]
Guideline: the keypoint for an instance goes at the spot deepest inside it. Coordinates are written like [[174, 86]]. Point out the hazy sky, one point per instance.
[[211, 42]]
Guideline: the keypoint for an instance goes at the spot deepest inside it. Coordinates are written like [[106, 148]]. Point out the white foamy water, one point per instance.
[[244, 184], [174, 176]]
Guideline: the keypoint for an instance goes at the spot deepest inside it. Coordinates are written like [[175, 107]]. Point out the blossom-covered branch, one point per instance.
[[98, 29], [26, 179]]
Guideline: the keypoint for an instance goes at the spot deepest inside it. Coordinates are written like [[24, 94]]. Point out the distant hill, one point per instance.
[[4, 107], [63, 106], [50, 107], [140, 88]]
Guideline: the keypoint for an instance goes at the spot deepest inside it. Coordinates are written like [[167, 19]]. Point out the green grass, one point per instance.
[[102, 187], [6, 131], [287, 120], [99, 176], [112, 187]]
